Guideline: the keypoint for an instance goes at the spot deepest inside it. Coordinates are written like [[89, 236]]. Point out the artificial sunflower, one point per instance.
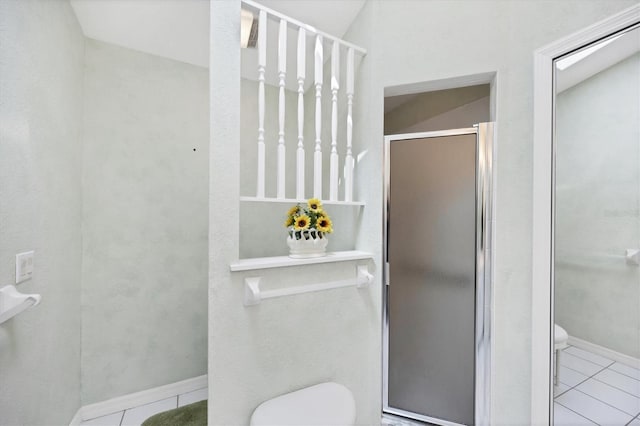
[[324, 224], [304, 219], [315, 205], [301, 223]]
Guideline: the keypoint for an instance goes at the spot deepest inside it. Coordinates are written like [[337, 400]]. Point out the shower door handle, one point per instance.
[[386, 273]]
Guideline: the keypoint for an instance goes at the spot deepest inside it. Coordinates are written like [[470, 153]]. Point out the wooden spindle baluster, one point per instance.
[[262, 64], [317, 155], [348, 163], [282, 73], [335, 86], [300, 152]]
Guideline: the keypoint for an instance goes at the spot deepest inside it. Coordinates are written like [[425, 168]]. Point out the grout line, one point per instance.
[[584, 359], [630, 421], [591, 362], [631, 377], [122, 418], [588, 377], [613, 386], [604, 402], [591, 396], [578, 414], [563, 392]]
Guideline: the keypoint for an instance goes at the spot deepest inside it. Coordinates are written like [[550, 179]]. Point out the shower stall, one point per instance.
[[437, 275]]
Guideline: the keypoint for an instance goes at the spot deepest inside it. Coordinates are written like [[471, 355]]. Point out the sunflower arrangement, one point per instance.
[[308, 221]]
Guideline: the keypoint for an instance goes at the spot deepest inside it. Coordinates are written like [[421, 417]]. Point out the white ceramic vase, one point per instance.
[[310, 244]]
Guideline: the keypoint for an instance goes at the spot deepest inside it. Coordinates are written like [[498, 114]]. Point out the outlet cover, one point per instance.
[[24, 266]]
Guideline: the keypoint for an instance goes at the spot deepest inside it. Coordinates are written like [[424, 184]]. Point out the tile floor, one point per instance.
[[135, 416], [594, 390]]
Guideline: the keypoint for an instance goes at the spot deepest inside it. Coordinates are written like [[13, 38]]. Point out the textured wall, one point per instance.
[[144, 222], [41, 48], [407, 42], [415, 41], [260, 352], [597, 194]]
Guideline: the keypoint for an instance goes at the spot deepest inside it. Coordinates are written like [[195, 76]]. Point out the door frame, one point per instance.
[[485, 154], [542, 237]]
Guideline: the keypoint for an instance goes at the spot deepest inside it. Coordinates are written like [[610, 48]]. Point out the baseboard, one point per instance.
[[605, 352], [77, 418], [139, 398]]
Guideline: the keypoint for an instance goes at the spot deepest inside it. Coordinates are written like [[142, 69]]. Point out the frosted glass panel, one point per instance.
[[432, 237]]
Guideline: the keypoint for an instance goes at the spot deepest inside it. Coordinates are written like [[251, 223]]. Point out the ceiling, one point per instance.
[[179, 29]]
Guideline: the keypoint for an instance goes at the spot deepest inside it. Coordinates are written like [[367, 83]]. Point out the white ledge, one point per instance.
[[286, 261], [295, 201]]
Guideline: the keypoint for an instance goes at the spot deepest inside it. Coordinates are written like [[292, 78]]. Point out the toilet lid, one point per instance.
[[324, 404]]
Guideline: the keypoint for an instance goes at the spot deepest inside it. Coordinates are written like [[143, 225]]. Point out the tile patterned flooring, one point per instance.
[[594, 390], [135, 416]]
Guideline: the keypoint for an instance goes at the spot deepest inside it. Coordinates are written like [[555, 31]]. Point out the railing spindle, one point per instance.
[[317, 155], [262, 64], [301, 75], [335, 86], [348, 162], [282, 73]]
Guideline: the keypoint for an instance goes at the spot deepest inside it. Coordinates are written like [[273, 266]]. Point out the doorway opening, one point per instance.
[[437, 290]]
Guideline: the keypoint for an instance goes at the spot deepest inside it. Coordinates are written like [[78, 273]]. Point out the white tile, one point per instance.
[[564, 417], [594, 410], [135, 416], [619, 381], [191, 397], [581, 365], [570, 377], [635, 422], [108, 420], [626, 370], [589, 356], [559, 389], [612, 396]]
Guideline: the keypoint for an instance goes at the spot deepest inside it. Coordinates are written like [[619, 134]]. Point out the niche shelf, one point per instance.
[[286, 261], [294, 201]]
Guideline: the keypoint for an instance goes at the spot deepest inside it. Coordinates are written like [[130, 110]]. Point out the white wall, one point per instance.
[[41, 54], [597, 195], [144, 221], [417, 41], [255, 353], [260, 352]]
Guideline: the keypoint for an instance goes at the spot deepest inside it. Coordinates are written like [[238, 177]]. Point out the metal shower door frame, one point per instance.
[[484, 230]]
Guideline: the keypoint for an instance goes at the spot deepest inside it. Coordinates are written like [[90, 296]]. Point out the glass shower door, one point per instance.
[[434, 228]]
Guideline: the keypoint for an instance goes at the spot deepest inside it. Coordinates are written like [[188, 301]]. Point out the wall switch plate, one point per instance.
[[24, 266]]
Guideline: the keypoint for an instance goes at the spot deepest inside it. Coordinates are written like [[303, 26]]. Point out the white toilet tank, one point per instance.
[[320, 405]]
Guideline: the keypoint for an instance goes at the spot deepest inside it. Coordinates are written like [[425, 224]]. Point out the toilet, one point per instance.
[[560, 338], [323, 404]]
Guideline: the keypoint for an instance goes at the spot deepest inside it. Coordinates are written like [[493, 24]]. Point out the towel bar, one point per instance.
[[253, 295]]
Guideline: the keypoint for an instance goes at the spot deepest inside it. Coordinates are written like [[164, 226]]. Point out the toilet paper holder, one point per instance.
[[12, 302]]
